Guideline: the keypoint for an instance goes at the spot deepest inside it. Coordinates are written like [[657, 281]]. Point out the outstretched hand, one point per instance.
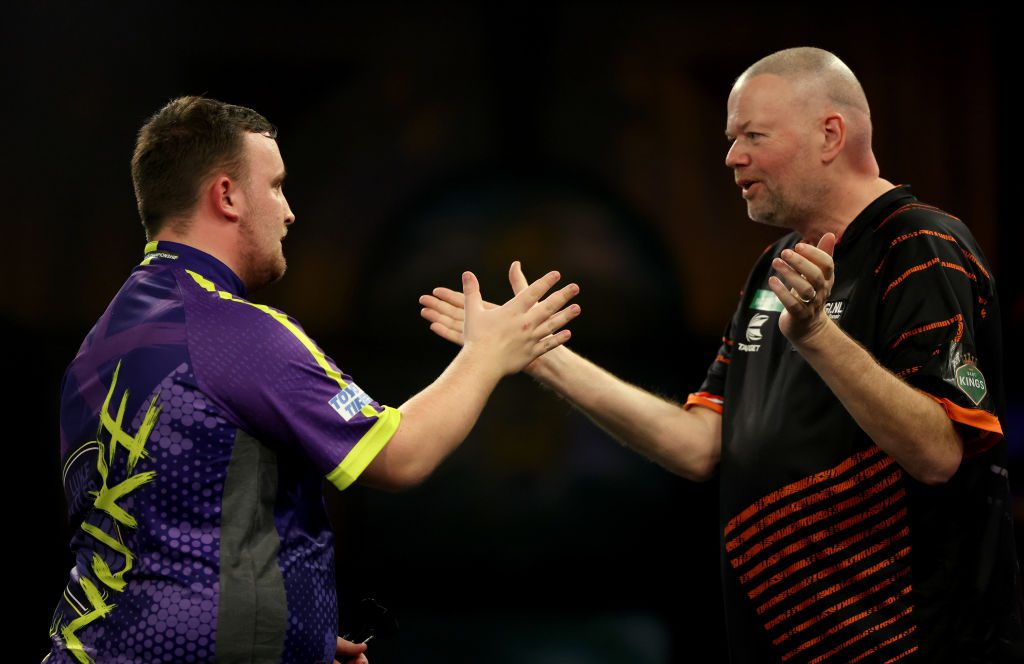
[[805, 278], [515, 333]]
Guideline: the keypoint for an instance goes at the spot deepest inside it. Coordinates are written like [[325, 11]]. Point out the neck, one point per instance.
[[841, 207], [218, 241]]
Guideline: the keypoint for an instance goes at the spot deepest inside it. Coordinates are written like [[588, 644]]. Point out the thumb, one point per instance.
[[827, 243], [471, 289], [517, 278]]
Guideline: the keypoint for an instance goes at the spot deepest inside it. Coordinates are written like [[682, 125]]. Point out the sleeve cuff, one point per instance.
[[705, 400], [368, 447], [985, 432]]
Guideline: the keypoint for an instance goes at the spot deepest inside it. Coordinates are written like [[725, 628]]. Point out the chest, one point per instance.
[[780, 419]]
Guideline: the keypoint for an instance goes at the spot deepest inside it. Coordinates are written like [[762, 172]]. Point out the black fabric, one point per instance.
[[830, 551]]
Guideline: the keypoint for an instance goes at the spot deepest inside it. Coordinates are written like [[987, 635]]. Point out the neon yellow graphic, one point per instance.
[[366, 449], [100, 609], [150, 248], [106, 499], [378, 435]]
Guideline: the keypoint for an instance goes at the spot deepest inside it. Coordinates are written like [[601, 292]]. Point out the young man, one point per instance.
[[197, 427], [853, 411]]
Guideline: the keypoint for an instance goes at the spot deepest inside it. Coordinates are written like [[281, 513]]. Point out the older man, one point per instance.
[[197, 427], [853, 410]]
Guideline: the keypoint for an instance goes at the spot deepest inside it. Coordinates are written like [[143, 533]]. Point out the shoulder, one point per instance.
[[926, 221], [225, 323], [916, 235]]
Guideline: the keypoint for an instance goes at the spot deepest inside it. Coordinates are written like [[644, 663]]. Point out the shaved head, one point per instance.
[[813, 68]]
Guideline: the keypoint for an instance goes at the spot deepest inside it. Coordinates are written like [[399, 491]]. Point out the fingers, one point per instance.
[[813, 262], [558, 320], [517, 278], [471, 289], [795, 307], [447, 333], [551, 341], [800, 286], [346, 648], [555, 302], [532, 294], [448, 328], [827, 243], [454, 298], [441, 311], [807, 271]]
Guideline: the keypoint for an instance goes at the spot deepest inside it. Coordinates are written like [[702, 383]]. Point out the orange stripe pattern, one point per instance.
[[958, 319], [924, 266], [826, 562], [914, 206]]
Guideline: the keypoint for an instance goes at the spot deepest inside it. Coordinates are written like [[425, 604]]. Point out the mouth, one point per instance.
[[747, 186]]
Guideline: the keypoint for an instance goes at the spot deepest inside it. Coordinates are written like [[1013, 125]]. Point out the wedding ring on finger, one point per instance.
[[809, 299]]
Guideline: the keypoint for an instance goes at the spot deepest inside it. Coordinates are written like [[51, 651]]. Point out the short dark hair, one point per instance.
[[183, 144]]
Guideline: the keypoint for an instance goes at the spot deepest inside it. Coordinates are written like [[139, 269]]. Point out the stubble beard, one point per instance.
[[779, 211], [261, 269]]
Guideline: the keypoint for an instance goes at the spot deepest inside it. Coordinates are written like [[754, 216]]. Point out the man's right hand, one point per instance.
[[539, 320]]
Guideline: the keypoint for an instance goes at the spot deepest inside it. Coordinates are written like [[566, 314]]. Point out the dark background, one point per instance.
[[421, 141]]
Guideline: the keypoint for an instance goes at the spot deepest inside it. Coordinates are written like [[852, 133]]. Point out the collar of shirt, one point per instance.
[[200, 262], [874, 213]]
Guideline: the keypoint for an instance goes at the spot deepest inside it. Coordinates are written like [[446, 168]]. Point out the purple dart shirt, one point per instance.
[[196, 431]]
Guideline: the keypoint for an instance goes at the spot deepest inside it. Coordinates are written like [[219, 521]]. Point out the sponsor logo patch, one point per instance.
[[765, 300], [754, 328], [971, 381], [349, 401], [835, 309], [754, 333]]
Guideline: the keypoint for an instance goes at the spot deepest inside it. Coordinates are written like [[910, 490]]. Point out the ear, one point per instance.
[[834, 135], [225, 197]]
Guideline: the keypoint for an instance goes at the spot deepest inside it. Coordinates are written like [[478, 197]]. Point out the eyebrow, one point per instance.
[[280, 178], [743, 128]]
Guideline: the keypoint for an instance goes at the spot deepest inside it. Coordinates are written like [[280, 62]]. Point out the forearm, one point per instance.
[[687, 443], [434, 422], [903, 422]]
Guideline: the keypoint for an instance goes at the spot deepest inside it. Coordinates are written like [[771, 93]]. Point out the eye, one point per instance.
[[753, 135]]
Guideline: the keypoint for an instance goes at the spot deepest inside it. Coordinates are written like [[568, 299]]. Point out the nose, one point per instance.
[[289, 218], [736, 156]]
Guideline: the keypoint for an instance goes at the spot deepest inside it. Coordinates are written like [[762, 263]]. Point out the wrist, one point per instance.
[[480, 363], [545, 368], [816, 339]]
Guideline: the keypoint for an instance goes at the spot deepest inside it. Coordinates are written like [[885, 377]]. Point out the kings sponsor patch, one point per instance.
[[349, 401], [971, 382]]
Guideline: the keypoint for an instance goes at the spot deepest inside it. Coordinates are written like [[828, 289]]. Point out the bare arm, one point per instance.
[[499, 341], [686, 442], [905, 423]]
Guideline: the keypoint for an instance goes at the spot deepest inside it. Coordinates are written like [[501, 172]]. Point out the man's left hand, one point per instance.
[[350, 653], [805, 277]]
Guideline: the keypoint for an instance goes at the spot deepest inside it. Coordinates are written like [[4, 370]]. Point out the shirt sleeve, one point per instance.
[[710, 394], [935, 298], [278, 385]]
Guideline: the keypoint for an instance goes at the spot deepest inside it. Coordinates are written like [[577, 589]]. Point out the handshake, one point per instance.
[[509, 337]]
